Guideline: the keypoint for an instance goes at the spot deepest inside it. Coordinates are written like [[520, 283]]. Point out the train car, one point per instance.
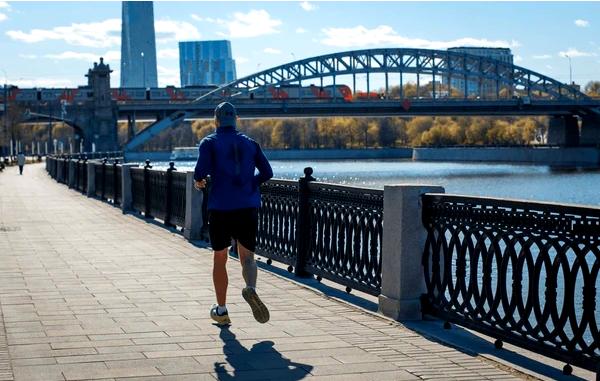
[[58, 95], [305, 92], [362, 95], [25, 95], [193, 92], [129, 94]]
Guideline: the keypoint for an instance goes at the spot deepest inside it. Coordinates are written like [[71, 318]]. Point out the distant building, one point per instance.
[[138, 45], [206, 63], [488, 88]]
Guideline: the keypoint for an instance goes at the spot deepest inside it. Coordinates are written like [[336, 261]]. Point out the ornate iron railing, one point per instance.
[[346, 227], [138, 190], [277, 221], [523, 272]]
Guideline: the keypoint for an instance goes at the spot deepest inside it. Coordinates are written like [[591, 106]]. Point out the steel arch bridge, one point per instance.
[[457, 83], [448, 66]]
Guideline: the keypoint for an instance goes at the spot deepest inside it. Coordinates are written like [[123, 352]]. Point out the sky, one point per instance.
[[52, 44]]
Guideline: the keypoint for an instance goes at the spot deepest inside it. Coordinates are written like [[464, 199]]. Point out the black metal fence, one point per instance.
[[331, 231], [523, 272], [159, 194]]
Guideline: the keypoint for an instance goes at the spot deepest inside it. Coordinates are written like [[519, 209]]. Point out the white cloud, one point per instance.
[[196, 17], [3, 17], [300, 30], [271, 51], [582, 23], [241, 60], [572, 52], [252, 24], [360, 36], [308, 6], [167, 76], [518, 58], [28, 56], [104, 34], [43, 82], [4, 4], [100, 34], [110, 56], [168, 53], [171, 31], [549, 67], [542, 57]]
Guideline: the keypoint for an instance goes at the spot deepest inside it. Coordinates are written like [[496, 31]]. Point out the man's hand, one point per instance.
[[200, 184]]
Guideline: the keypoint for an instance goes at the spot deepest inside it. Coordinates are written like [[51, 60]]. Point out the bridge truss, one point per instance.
[[493, 79]]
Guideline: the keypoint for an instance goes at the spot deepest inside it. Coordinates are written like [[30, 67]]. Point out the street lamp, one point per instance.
[[144, 68], [570, 70], [5, 119]]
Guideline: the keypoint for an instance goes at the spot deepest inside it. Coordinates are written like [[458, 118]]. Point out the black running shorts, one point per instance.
[[238, 224]]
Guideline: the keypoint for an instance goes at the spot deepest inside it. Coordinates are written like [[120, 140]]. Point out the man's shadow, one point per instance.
[[262, 357]]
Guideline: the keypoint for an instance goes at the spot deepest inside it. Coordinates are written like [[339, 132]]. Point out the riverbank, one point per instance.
[[571, 157]]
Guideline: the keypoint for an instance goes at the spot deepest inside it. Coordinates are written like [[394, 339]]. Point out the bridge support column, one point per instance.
[[402, 274], [590, 131], [193, 209], [563, 131], [126, 191]]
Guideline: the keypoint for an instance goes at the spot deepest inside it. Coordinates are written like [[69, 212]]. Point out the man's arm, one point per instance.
[[204, 164], [265, 172]]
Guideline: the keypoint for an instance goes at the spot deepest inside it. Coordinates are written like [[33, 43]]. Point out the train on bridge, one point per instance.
[[184, 94]]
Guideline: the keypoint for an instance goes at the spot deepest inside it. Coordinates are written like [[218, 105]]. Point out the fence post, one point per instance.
[[303, 227], [126, 190], [91, 179], [402, 274], [103, 176], [77, 172], [169, 203], [71, 181], [114, 182], [147, 213], [84, 174], [193, 209]]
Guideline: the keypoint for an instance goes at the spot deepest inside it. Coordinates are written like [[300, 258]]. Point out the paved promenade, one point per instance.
[[89, 293]]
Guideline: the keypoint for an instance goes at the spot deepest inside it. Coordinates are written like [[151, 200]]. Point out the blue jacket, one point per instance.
[[230, 158]]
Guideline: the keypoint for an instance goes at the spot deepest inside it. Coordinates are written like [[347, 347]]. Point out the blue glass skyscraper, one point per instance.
[[138, 45], [206, 63]]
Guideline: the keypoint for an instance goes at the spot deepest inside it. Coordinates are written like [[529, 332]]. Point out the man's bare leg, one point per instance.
[[220, 279], [249, 271]]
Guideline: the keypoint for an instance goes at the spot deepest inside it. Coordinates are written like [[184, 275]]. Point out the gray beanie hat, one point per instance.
[[226, 115]]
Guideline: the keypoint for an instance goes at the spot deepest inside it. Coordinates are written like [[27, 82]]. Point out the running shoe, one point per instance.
[[221, 319], [259, 310]]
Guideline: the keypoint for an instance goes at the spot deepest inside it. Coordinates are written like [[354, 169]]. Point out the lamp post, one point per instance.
[[144, 68], [5, 111], [570, 70]]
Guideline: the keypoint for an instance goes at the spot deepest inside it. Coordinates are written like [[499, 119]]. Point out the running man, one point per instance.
[[231, 158]]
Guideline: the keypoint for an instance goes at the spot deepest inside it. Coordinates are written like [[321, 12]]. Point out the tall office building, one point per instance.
[[138, 46], [488, 87], [206, 63]]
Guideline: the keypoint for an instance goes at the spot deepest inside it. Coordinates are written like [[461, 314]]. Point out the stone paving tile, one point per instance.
[[89, 293]]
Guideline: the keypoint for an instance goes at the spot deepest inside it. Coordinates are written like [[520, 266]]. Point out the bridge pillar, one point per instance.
[[563, 131], [590, 131]]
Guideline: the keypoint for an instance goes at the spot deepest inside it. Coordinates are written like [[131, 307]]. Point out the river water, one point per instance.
[[529, 182]]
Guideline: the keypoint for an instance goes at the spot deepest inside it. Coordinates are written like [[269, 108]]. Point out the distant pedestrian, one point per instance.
[[21, 162], [231, 158]]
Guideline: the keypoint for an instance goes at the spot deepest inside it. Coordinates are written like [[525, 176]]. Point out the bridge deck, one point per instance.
[[86, 292]]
